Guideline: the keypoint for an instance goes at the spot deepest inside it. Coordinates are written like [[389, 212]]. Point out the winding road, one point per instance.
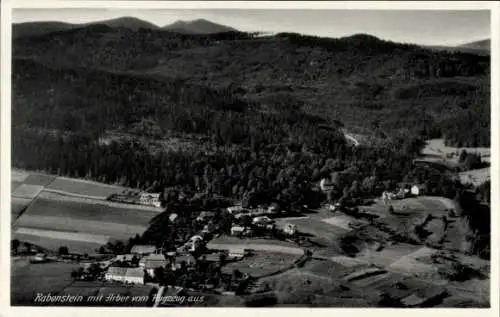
[[351, 138]]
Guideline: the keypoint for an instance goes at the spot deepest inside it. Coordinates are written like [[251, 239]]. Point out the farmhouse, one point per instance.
[[153, 261], [205, 215], [235, 209], [39, 257], [237, 230], [188, 259], [150, 199], [262, 221], [143, 249], [125, 275], [418, 189], [236, 253], [125, 257], [172, 217], [273, 209]]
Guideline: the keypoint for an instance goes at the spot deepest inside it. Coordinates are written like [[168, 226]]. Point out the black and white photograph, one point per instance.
[[190, 157]]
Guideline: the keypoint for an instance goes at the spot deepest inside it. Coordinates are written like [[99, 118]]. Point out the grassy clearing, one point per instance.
[[98, 228], [18, 176], [53, 244], [83, 187], [316, 227], [90, 212], [302, 288], [263, 263], [242, 241], [437, 148], [27, 191], [341, 221], [475, 177], [39, 179], [29, 279], [17, 205], [410, 264], [388, 255], [14, 185], [59, 197], [63, 235]]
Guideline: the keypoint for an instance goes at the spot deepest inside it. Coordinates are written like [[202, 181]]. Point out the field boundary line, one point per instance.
[[65, 193]]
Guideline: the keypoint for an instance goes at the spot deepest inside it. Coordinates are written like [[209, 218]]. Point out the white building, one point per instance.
[[125, 275], [235, 209], [153, 261], [237, 230], [236, 253], [143, 249], [150, 199], [262, 221], [418, 190]]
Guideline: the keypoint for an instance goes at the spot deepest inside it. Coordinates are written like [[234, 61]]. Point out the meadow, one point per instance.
[[89, 212], [53, 244], [262, 263], [84, 187], [28, 279], [87, 227]]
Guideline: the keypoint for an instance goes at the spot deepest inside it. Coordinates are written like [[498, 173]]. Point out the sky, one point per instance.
[[432, 27]]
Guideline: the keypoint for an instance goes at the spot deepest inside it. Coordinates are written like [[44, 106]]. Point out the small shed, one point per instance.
[[418, 189], [143, 249]]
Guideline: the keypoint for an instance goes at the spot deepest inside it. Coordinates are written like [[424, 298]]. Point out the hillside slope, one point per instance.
[[366, 83], [199, 26]]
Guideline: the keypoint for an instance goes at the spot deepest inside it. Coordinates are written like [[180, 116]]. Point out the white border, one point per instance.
[[7, 6]]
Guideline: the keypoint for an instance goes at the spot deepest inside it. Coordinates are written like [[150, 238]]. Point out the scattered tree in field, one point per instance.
[[63, 250], [15, 245]]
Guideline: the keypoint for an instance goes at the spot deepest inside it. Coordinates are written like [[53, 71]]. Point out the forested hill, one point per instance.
[[372, 86]]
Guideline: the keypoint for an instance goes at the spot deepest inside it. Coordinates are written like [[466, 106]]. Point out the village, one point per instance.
[[195, 264]]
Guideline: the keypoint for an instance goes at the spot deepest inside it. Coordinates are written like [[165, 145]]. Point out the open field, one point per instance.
[[63, 235], [268, 245], [17, 205], [38, 179], [387, 255], [262, 263], [27, 191], [320, 231], [475, 177], [14, 185], [89, 212], [53, 244], [94, 228], [436, 147], [84, 187], [89, 201], [299, 287], [29, 279], [18, 175]]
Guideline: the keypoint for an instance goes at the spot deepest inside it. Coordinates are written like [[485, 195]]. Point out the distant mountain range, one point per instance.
[[478, 45], [199, 26], [481, 47]]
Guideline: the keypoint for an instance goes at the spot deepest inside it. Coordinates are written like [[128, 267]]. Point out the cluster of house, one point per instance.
[[135, 197], [259, 220], [150, 259], [404, 191]]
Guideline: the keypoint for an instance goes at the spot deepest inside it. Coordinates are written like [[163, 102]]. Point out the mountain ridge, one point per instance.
[[198, 26]]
